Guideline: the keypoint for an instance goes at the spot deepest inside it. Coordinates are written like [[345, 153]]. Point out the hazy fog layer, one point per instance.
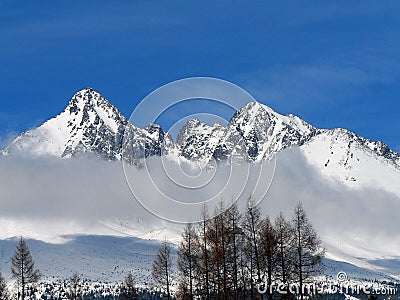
[[46, 198]]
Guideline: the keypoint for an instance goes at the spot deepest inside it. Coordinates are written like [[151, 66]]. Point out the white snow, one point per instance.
[[107, 119], [339, 158]]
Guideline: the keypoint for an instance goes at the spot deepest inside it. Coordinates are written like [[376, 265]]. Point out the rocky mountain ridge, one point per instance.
[[91, 126]]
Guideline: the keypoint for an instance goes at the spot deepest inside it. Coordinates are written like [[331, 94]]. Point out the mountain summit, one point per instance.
[[90, 126]]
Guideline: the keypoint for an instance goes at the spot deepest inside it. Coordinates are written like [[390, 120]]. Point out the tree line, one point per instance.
[[229, 256], [235, 256]]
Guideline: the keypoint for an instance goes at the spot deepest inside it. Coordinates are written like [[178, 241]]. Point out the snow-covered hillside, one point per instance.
[[110, 258], [355, 161], [96, 257]]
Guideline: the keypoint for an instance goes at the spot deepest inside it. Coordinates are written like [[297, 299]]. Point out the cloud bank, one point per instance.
[[45, 198]]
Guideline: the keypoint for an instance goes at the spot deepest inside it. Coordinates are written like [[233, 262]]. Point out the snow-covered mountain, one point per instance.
[[91, 125]]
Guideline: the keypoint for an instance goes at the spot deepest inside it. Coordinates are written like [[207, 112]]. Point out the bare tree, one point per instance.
[[223, 236], [203, 262], [269, 250], [216, 253], [223, 251], [23, 267], [233, 220], [4, 294], [308, 252], [251, 227], [188, 253], [74, 286], [162, 266], [284, 235]]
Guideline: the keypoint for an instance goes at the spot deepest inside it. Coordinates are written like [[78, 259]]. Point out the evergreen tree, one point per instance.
[[23, 267], [308, 252], [162, 266]]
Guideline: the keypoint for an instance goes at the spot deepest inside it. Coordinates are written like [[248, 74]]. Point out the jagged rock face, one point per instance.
[[257, 132], [198, 141], [96, 126], [266, 132], [91, 126], [141, 143], [254, 133]]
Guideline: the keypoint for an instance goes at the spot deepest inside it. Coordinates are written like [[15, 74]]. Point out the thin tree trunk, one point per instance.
[[190, 266], [167, 275], [251, 278], [206, 260], [269, 275], [243, 278], [300, 258], [282, 256], [22, 279], [235, 270], [256, 248]]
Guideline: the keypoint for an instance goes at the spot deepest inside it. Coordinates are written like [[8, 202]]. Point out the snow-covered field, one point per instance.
[[94, 257], [109, 258]]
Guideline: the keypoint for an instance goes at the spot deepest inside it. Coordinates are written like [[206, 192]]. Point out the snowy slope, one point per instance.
[[355, 161], [96, 257], [109, 258]]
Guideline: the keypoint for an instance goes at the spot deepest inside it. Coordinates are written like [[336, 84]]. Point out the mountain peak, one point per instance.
[[89, 124], [85, 94], [85, 99], [256, 106]]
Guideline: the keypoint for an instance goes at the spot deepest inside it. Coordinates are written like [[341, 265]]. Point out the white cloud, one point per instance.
[[49, 197]]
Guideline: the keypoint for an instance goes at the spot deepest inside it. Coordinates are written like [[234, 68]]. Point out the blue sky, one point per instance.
[[333, 64]]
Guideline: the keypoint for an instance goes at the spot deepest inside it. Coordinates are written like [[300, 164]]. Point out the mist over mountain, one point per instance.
[[91, 126]]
